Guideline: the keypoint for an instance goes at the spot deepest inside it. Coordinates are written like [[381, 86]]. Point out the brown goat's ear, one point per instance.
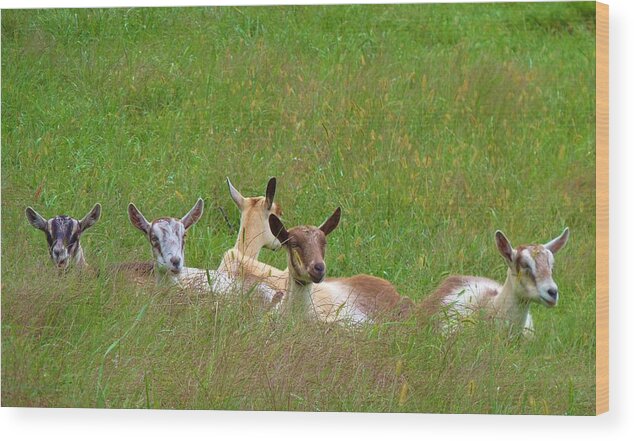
[[91, 218], [137, 219], [194, 214], [277, 228], [35, 219], [235, 195], [270, 192], [332, 222], [504, 247], [559, 242]]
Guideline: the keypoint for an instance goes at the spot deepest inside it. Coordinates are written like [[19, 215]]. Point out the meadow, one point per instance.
[[430, 125]]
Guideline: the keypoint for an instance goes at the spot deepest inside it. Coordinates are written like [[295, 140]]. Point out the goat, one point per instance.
[[167, 238], [529, 280], [63, 234], [357, 299], [240, 262]]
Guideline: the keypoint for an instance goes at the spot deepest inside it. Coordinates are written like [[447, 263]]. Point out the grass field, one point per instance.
[[430, 125]]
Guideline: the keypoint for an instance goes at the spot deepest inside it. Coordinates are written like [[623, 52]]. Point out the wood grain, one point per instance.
[[602, 205]]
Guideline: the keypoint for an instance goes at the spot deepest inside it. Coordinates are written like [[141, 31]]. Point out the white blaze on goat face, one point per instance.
[[167, 237], [534, 268]]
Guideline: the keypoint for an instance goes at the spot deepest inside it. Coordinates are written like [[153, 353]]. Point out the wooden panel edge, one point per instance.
[[602, 208]]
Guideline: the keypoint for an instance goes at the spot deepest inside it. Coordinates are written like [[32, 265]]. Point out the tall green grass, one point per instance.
[[430, 125]]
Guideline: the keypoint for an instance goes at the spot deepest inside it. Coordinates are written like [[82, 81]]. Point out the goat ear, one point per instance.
[[558, 243], [137, 219], [270, 192], [194, 214], [235, 195], [91, 218], [332, 222], [35, 219], [504, 247], [277, 228]]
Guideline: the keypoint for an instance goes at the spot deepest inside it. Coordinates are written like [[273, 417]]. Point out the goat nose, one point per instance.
[[552, 292], [175, 261], [319, 267]]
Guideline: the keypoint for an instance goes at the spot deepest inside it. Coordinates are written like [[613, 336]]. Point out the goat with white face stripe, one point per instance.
[[167, 237], [529, 279], [531, 267], [63, 233]]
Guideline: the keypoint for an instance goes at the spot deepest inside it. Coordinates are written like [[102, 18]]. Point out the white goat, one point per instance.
[[167, 238], [529, 280]]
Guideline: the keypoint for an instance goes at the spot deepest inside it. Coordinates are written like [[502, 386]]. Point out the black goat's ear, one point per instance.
[[277, 228], [35, 219], [91, 218], [270, 192]]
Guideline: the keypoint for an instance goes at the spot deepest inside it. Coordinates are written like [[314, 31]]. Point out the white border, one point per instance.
[[71, 424]]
